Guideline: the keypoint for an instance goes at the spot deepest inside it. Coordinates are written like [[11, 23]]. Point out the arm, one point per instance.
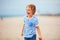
[[22, 30], [38, 31]]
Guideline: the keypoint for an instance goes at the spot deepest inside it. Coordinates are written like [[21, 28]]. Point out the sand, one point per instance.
[[10, 28]]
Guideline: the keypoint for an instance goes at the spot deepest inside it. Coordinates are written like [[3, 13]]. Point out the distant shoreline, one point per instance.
[[49, 14], [24, 15]]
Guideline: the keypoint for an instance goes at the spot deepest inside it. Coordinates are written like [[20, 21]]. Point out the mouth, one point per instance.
[[28, 13]]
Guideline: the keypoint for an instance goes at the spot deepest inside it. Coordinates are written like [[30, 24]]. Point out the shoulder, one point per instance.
[[35, 18], [24, 17]]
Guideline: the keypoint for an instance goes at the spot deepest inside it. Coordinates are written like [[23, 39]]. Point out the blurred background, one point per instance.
[[11, 18]]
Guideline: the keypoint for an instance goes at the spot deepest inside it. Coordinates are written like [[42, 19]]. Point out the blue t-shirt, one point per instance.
[[30, 26]]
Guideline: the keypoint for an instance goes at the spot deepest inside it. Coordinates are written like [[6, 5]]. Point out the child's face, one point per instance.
[[29, 11]]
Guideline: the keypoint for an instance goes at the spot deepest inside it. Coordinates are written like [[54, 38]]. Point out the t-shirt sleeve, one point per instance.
[[24, 20], [36, 22]]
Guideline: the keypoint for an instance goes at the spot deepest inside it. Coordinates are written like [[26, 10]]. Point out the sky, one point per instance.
[[18, 7]]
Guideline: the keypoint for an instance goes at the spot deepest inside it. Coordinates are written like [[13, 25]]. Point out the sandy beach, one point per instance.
[[10, 28]]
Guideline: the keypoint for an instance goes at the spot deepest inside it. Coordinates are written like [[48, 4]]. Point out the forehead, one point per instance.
[[28, 8]]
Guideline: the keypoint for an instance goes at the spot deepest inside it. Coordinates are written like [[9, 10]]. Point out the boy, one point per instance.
[[30, 24]]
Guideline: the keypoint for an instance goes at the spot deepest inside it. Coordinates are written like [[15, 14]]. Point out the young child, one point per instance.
[[30, 24]]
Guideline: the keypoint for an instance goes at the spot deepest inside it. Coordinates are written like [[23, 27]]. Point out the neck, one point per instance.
[[29, 16]]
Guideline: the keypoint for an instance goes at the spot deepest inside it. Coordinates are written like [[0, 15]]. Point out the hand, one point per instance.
[[40, 38], [21, 34]]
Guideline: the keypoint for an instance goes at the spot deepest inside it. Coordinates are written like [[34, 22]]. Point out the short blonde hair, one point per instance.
[[33, 8]]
